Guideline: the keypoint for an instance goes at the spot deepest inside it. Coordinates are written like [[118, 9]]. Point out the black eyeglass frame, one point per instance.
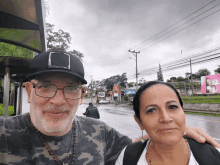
[[35, 85]]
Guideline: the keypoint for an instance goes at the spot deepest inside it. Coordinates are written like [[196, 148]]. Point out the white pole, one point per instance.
[[6, 92]]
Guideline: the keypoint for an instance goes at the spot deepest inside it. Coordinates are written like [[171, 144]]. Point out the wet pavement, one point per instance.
[[121, 118]]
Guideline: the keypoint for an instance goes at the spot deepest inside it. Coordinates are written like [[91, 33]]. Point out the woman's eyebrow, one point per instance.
[[151, 105], [171, 101]]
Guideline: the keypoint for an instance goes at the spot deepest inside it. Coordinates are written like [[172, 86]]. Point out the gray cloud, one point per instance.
[[108, 28]]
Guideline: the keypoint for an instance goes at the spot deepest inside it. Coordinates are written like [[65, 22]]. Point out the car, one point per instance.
[[131, 99], [103, 102]]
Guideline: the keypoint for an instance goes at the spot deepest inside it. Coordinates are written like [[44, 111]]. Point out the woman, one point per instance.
[[159, 111], [209, 87]]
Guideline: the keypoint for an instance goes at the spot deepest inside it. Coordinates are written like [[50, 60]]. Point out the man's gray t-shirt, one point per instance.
[[96, 143]]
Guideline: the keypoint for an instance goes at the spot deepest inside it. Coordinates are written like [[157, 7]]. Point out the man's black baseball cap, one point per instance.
[[54, 61]]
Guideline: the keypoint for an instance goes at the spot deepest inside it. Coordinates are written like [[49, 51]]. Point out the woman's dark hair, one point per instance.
[[136, 100], [206, 80]]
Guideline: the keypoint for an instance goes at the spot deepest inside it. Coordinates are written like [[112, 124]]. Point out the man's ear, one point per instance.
[[82, 94], [139, 122], [28, 87]]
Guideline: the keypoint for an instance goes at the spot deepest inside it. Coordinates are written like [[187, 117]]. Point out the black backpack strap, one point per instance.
[[133, 152], [204, 153]]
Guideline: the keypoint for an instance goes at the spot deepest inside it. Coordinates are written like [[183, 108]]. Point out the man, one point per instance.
[[92, 111], [51, 133]]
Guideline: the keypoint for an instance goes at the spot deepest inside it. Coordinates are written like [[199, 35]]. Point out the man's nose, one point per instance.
[[59, 98]]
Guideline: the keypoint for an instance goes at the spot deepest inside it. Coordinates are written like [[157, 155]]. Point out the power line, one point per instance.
[[179, 30], [174, 24], [186, 48], [195, 61], [115, 60], [177, 62], [192, 56], [121, 58]]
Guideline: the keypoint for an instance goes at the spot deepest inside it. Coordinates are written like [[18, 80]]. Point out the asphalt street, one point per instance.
[[121, 118]]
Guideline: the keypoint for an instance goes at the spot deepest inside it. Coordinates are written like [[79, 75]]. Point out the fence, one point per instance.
[[186, 88]]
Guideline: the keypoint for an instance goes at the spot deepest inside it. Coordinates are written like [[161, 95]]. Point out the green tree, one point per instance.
[[131, 84], [172, 79], [202, 72], [57, 40], [125, 97], [217, 71], [117, 79], [60, 40], [77, 54], [180, 78], [188, 76]]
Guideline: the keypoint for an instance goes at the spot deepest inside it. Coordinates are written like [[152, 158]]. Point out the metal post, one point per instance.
[[185, 87], [188, 85], [20, 96], [191, 75], [35, 54], [16, 97], [136, 73], [6, 91]]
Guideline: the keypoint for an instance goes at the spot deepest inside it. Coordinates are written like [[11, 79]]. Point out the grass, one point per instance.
[[201, 99], [204, 114], [10, 110]]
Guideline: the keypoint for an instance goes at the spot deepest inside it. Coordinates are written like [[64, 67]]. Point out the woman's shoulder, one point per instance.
[[139, 156], [119, 161], [204, 152], [218, 149]]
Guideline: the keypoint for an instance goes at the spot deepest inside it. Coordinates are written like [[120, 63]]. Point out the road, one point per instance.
[[121, 118]]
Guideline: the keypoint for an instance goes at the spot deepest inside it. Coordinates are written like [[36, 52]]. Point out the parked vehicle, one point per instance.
[[131, 97], [104, 102]]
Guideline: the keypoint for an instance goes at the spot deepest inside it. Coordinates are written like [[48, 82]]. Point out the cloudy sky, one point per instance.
[[104, 31]]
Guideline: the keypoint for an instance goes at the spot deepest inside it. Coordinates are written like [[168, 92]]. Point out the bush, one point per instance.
[[125, 97], [10, 110]]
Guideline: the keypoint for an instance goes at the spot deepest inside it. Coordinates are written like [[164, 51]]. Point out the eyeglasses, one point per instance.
[[49, 91]]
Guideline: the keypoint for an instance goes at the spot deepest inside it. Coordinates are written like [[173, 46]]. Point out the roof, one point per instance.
[[22, 24]]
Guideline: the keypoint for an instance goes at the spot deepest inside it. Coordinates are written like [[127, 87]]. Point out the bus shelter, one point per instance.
[[21, 23]]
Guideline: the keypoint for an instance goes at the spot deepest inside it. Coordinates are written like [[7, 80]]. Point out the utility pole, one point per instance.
[[191, 74], [91, 86], [135, 55]]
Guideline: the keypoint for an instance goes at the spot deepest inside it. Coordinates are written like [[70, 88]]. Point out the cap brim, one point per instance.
[[30, 76]]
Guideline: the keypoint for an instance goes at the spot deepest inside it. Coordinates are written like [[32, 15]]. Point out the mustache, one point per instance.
[[55, 110]]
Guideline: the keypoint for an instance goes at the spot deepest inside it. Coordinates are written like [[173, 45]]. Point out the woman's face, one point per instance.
[[209, 82], [161, 114]]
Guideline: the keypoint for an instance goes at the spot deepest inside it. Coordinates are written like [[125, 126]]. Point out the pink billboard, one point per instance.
[[210, 83]]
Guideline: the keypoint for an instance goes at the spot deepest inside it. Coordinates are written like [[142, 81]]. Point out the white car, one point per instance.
[[103, 102]]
